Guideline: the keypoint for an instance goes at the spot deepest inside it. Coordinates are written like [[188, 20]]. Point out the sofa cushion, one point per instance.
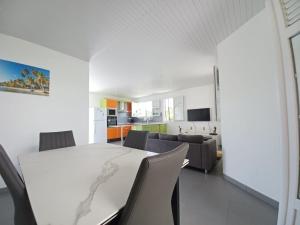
[[168, 137], [190, 138], [153, 135]]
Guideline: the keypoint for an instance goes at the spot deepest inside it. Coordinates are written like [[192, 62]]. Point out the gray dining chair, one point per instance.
[[23, 212], [55, 140], [136, 139], [149, 202]]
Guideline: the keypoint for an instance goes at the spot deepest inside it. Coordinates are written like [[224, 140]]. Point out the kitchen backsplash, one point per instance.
[[150, 120], [123, 118]]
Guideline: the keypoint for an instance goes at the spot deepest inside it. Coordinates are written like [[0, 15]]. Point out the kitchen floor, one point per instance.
[[205, 200]]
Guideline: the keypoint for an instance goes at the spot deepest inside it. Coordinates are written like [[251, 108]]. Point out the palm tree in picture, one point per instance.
[[45, 83], [39, 79], [25, 73], [32, 83]]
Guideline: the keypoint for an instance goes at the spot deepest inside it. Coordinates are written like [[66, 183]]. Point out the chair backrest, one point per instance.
[[149, 202], [54, 140], [16, 187], [10, 175], [136, 139]]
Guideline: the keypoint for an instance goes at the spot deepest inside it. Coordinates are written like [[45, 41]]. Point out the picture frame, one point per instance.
[[20, 78]]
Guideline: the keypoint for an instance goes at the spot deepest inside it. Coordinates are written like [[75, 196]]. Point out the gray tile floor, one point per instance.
[[205, 200], [211, 200]]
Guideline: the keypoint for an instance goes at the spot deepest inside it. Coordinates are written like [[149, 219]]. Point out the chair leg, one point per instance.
[[175, 204]]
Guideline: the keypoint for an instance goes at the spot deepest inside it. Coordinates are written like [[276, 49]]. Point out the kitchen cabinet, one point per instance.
[[103, 103], [116, 104], [179, 108], [113, 133], [111, 103], [110, 133], [156, 103], [153, 128], [156, 109], [126, 129], [129, 107], [122, 106], [163, 128]]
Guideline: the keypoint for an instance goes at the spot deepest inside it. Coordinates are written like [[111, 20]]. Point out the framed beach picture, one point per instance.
[[20, 78]]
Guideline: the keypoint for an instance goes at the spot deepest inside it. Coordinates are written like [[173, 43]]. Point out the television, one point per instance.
[[198, 114]]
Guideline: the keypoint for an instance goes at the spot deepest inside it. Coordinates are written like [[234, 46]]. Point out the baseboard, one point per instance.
[[3, 190], [251, 191]]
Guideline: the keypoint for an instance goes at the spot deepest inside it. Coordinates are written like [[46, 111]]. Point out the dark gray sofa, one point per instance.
[[202, 152]]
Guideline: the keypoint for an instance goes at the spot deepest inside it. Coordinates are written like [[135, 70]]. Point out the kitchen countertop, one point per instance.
[[122, 125], [154, 123], [132, 124]]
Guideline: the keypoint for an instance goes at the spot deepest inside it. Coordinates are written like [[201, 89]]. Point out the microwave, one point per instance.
[[112, 112]]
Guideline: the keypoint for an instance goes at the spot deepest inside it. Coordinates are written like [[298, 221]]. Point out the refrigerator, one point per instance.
[[97, 125]]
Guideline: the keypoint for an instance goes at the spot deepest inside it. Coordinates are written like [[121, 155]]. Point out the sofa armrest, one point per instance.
[[209, 153], [203, 156]]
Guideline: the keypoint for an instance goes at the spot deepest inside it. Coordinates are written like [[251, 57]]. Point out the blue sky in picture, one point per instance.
[[12, 71]]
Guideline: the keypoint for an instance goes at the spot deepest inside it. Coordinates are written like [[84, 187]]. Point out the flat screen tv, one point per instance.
[[198, 114]]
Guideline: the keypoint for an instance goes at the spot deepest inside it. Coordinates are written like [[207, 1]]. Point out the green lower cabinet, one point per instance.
[[154, 128], [147, 128], [163, 128]]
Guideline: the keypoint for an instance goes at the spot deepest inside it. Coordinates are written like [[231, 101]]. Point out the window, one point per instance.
[[169, 109], [142, 109]]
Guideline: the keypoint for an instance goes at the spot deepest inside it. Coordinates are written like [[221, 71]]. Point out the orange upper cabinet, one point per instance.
[[111, 103], [129, 108]]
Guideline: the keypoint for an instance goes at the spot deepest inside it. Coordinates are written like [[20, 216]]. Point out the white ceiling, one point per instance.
[[135, 47]]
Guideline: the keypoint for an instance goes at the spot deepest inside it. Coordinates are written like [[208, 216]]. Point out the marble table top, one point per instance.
[[82, 185]]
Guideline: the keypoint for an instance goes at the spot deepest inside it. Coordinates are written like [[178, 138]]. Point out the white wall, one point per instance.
[[23, 116], [250, 106], [197, 97]]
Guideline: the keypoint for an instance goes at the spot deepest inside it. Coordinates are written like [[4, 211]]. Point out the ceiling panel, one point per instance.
[[135, 47]]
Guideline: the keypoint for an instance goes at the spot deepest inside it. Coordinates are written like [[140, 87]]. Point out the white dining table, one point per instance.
[[81, 185]]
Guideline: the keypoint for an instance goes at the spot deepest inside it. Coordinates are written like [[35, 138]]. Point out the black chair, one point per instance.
[[16, 187], [54, 140], [149, 202], [136, 139]]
